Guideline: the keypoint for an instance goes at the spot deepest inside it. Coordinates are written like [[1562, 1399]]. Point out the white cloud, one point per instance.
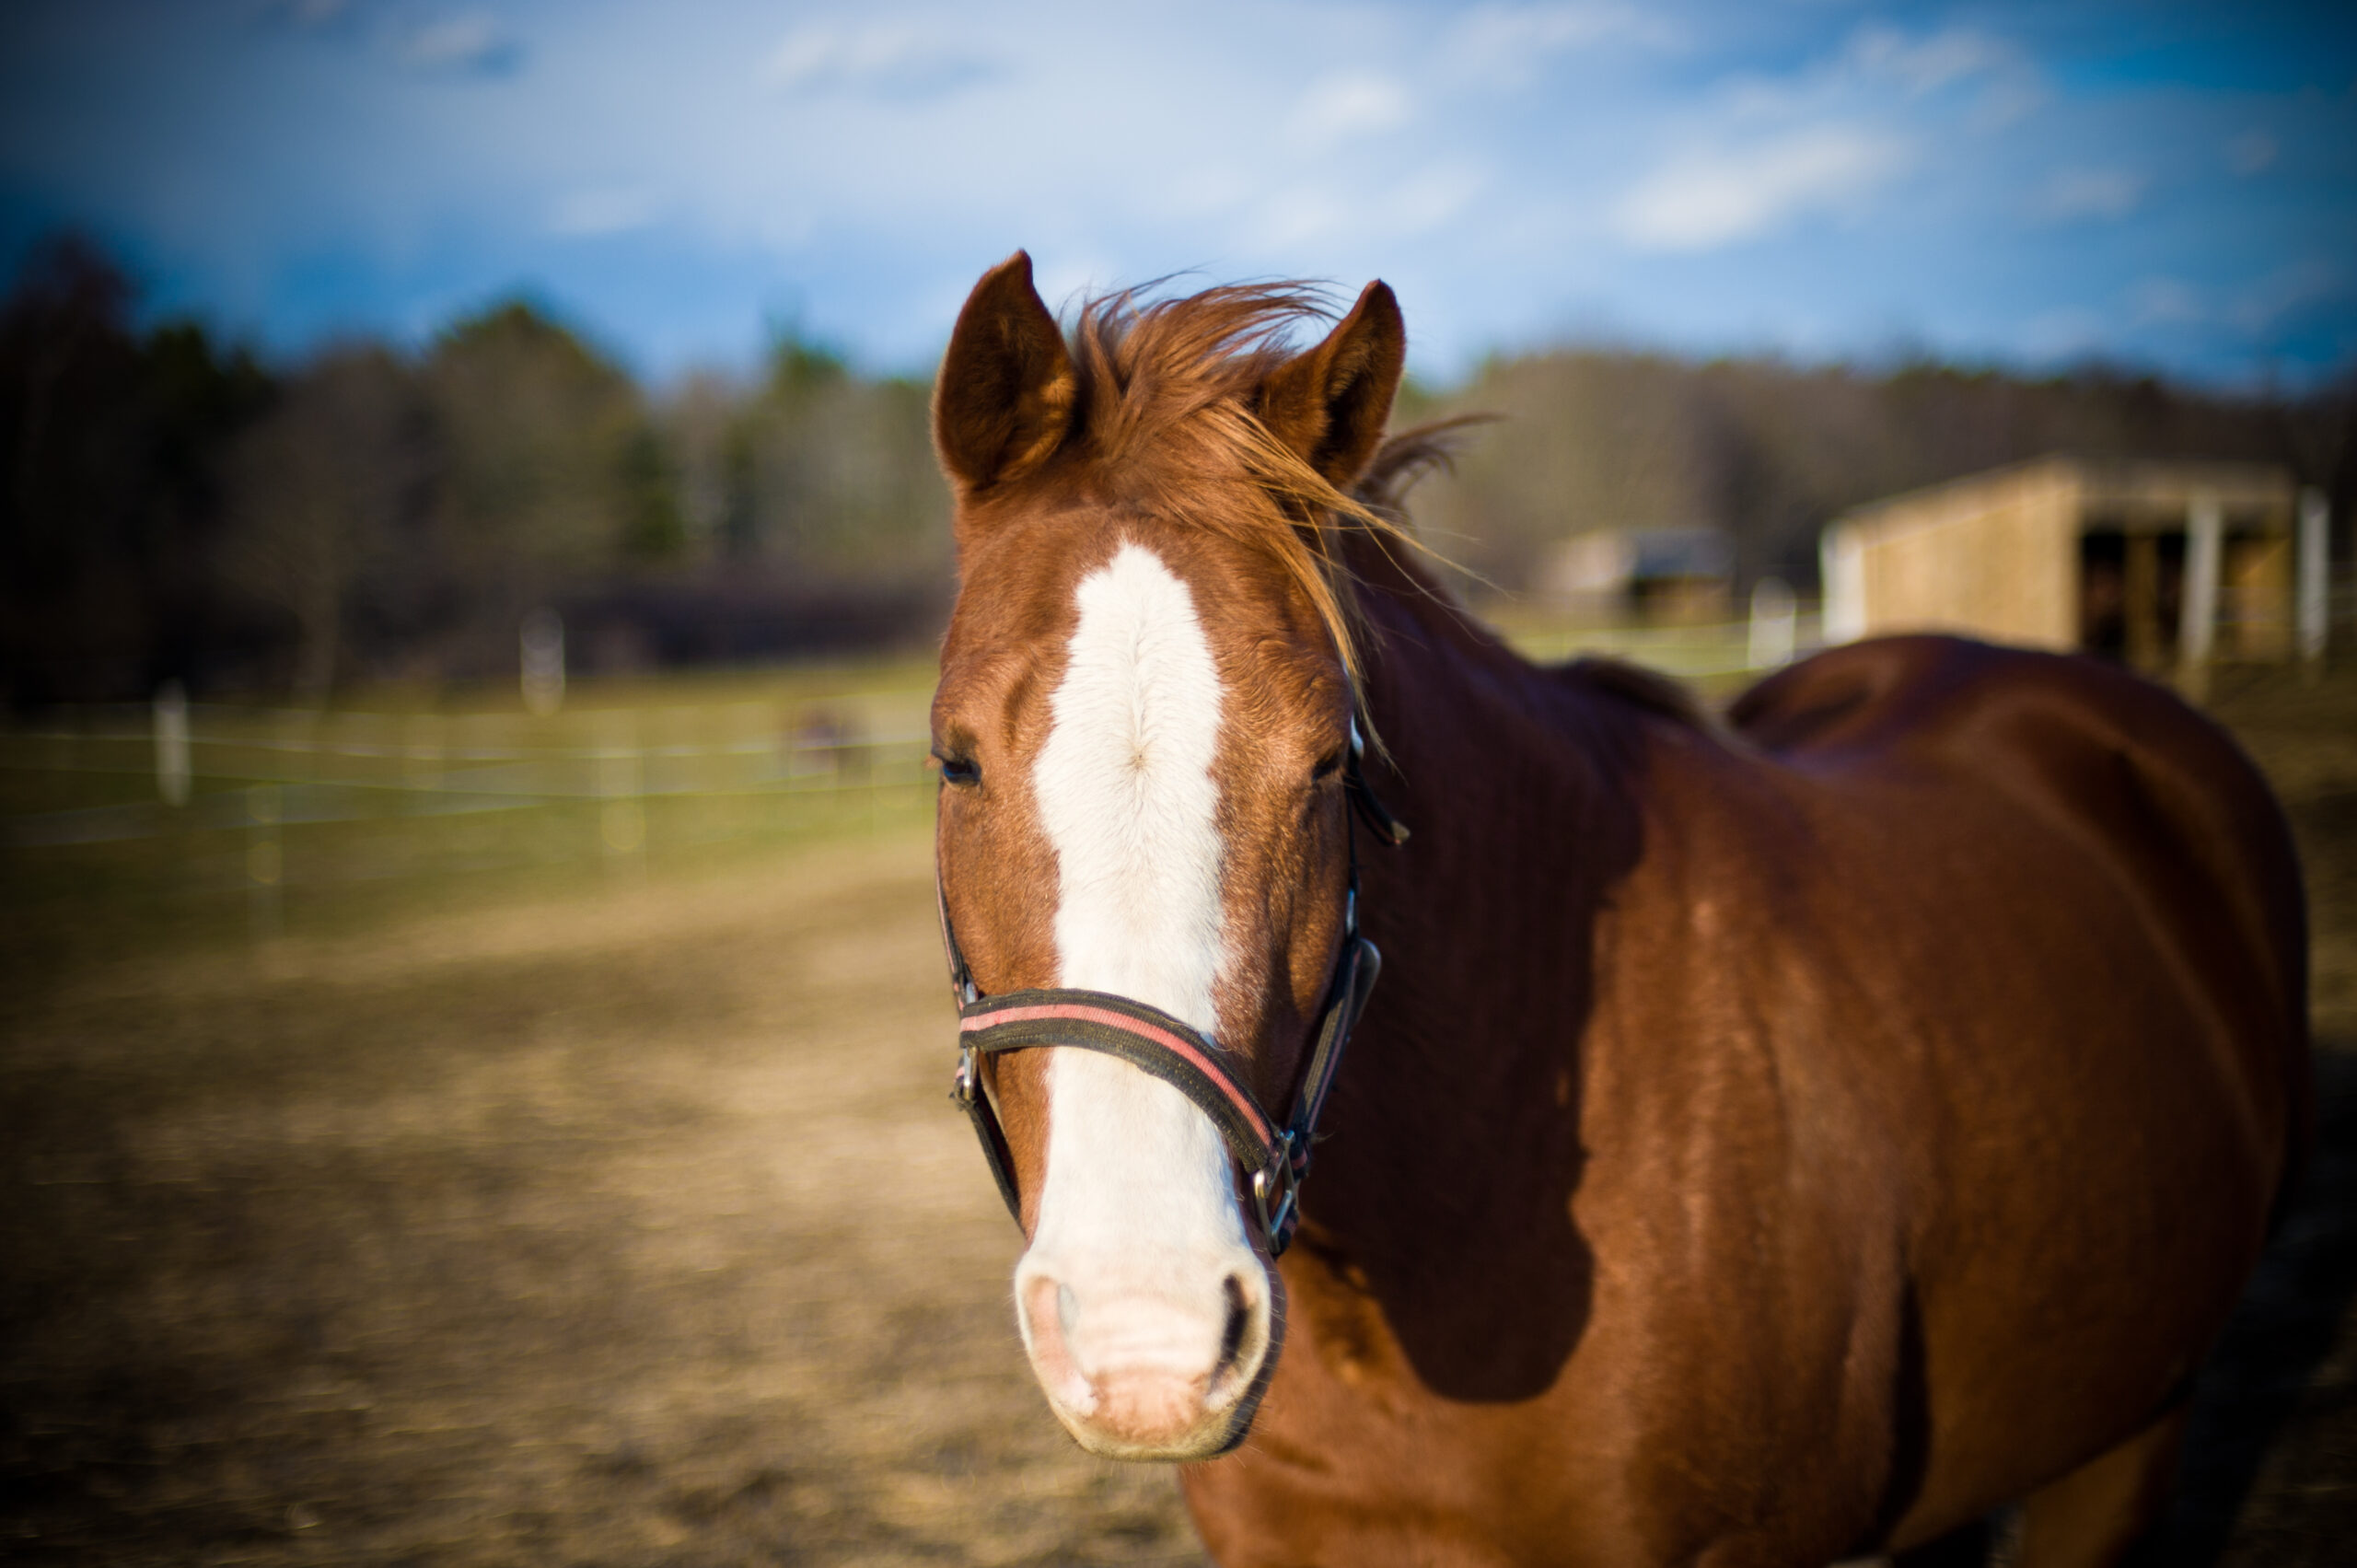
[[1426, 200], [2166, 302], [2251, 152], [2069, 331], [2010, 87], [2285, 292], [472, 43], [2073, 193], [757, 154], [1298, 218], [1930, 63], [892, 61], [601, 211], [2253, 309], [2008, 100], [1505, 45], [1349, 104], [1707, 200]]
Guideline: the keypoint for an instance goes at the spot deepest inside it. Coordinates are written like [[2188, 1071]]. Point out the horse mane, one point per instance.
[[1166, 409], [1648, 690], [1407, 457]]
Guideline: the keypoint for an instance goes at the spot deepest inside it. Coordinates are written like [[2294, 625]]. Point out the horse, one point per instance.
[[1775, 1137]]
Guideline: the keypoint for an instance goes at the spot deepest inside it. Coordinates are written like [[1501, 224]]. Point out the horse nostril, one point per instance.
[[1239, 1321]]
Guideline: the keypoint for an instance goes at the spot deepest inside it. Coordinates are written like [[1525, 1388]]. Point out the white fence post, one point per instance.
[[542, 648], [2315, 561], [2205, 528], [171, 743], [1776, 617], [1842, 563], [622, 784]]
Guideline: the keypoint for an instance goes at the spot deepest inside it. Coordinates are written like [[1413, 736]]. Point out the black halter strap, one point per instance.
[[1273, 1154]]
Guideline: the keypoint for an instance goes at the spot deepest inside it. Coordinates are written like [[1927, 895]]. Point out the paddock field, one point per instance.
[[611, 1212]]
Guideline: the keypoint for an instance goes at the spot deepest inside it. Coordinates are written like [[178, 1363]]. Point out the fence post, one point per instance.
[[2205, 528], [622, 784], [2315, 561], [171, 743], [542, 645], [1842, 563], [1774, 621]]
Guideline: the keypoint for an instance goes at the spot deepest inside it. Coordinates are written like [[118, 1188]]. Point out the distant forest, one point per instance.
[[176, 509]]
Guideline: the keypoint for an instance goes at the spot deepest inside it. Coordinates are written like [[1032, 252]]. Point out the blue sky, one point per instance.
[[2028, 183]]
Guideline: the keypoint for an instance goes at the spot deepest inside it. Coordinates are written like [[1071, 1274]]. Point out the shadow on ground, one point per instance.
[[2270, 1464]]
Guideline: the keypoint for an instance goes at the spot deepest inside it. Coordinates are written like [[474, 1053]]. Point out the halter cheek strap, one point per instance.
[[1273, 1154]]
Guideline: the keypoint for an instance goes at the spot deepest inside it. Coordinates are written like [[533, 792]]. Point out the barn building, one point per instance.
[[2162, 564]]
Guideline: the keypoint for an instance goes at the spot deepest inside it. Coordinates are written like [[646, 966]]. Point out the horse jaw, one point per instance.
[[1147, 1315]]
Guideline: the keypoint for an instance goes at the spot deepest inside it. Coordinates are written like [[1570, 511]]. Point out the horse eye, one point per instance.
[[960, 771], [1328, 766]]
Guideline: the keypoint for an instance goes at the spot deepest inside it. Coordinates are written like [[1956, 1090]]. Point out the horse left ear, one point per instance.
[[1331, 403], [1002, 402]]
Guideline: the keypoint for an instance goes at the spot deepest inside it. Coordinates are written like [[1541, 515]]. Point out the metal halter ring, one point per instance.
[[1280, 1173]]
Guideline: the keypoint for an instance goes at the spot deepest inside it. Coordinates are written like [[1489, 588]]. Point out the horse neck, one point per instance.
[[1519, 786], [1524, 771], [1522, 786]]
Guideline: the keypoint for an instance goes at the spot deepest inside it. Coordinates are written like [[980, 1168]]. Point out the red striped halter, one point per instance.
[[1274, 1154]]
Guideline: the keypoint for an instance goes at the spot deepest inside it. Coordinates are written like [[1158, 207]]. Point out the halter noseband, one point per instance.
[[1276, 1154]]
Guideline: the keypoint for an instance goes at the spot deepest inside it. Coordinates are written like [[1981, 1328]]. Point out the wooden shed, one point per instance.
[[2158, 563]]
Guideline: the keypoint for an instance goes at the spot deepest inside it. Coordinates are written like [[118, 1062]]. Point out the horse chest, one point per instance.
[[1657, 1436]]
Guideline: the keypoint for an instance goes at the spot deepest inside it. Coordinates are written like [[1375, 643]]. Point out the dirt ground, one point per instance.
[[633, 1229]]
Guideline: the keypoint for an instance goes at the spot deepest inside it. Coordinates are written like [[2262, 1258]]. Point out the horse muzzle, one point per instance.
[[1169, 1366]]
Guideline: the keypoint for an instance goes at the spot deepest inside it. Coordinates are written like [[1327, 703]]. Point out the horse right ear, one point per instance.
[[1004, 401]]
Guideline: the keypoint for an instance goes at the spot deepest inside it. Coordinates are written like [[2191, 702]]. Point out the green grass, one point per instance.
[[395, 801]]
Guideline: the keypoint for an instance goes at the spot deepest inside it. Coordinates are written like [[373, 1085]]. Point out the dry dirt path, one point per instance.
[[633, 1230]]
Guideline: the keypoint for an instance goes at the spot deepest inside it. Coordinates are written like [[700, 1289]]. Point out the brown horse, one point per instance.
[[1770, 1141]]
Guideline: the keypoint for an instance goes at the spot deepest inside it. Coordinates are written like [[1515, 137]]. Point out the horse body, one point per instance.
[[1856, 1147], [1770, 1140]]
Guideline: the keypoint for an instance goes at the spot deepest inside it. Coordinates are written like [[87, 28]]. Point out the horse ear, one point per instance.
[[1004, 401], [1331, 404]]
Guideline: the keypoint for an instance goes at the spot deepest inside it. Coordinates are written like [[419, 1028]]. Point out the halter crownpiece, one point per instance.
[[1274, 1154]]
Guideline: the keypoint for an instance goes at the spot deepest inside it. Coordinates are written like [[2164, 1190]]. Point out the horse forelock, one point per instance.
[[1167, 427]]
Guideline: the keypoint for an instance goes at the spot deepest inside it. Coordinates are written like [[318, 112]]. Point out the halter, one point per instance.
[[1274, 1155]]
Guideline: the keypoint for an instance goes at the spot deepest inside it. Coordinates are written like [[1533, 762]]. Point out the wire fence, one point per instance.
[[202, 799], [183, 799], [297, 766], [126, 772]]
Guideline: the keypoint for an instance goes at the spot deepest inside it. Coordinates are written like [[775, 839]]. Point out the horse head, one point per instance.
[[1145, 727]]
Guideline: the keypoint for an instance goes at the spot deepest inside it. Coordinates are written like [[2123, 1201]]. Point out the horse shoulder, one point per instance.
[[1745, 1190], [2099, 958]]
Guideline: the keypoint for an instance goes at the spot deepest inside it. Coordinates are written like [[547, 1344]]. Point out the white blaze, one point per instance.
[[1138, 1203]]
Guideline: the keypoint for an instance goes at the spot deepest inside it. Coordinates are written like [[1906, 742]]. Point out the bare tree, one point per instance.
[[317, 492]]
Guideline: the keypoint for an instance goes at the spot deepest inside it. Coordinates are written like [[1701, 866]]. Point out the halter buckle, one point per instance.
[[965, 1087], [1276, 1187]]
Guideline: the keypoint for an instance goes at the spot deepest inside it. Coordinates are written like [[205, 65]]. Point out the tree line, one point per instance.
[[176, 509]]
